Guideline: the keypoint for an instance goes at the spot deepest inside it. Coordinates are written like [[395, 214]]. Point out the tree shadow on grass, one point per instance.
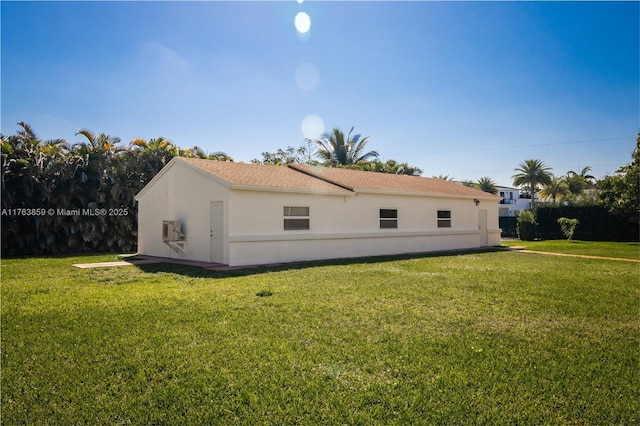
[[200, 272]]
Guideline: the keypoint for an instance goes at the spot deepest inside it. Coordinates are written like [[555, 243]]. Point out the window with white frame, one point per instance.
[[444, 218], [388, 218], [296, 218]]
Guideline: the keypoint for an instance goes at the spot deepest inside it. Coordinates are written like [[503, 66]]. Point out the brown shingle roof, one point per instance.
[[361, 181], [299, 177], [262, 176]]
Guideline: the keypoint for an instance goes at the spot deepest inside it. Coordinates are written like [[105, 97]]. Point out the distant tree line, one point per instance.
[[608, 209], [59, 197], [334, 149]]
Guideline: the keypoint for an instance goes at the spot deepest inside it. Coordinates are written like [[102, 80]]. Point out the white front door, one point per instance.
[[217, 232], [482, 226]]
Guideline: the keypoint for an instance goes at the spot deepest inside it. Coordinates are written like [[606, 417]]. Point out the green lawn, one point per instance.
[[590, 248], [485, 338]]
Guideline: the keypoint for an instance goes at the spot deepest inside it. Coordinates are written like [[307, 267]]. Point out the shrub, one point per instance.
[[568, 226], [526, 225]]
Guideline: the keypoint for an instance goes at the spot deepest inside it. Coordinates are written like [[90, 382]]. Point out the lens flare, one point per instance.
[[312, 126], [303, 22], [307, 76]]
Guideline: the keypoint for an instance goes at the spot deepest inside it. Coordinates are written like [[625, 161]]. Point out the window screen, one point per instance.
[[444, 218], [296, 211], [296, 224], [388, 218], [301, 221]]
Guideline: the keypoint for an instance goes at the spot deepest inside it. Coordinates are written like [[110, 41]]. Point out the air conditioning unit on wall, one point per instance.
[[172, 231]]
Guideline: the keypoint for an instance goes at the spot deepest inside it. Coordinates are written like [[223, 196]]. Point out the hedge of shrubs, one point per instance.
[[596, 224]]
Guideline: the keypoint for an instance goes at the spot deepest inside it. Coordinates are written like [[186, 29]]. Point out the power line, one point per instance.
[[557, 167], [510, 147]]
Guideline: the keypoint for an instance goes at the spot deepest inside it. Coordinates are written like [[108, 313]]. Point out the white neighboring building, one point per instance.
[[511, 203], [244, 214]]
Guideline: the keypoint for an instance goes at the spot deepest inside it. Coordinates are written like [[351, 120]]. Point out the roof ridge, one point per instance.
[[299, 168], [370, 181]]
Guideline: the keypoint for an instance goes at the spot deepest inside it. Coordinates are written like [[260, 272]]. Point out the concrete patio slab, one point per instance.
[[135, 259], [110, 264]]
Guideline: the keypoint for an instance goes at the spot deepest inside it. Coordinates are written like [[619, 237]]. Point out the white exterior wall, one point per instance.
[[185, 195], [349, 226], [340, 226]]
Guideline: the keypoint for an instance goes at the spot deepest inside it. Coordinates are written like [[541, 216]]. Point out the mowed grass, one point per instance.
[[624, 250], [484, 338]]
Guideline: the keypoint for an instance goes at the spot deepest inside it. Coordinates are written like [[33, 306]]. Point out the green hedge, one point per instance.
[[526, 226], [596, 224]]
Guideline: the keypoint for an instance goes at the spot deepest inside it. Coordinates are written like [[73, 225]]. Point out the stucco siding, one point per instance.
[[336, 246], [342, 223], [184, 195], [152, 210], [257, 212], [349, 226]]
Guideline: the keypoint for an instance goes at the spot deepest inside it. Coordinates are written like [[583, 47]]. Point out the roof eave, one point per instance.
[[169, 165], [207, 174], [158, 175]]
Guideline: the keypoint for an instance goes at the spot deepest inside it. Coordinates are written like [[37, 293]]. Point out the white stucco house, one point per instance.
[[511, 201], [246, 214]]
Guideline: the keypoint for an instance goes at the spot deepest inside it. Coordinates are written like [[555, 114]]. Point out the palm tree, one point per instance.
[[556, 188], [55, 147], [532, 173], [23, 185], [194, 152], [443, 177], [583, 174], [197, 152], [578, 182], [219, 156], [486, 184], [389, 166], [22, 165], [102, 142], [153, 154], [335, 149], [27, 138]]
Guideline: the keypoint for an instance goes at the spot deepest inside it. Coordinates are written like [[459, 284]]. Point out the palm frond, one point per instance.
[[87, 134], [140, 143], [27, 131]]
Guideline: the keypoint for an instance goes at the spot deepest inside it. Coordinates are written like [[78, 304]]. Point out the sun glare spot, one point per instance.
[[303, 22], [312, 126], [307, 76]]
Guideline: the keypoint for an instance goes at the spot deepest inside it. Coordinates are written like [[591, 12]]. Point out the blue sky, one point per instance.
[[465, 89]]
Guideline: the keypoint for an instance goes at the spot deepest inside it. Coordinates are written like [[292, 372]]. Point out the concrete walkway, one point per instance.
[[583, 256], [132, 260], [110, 264]]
